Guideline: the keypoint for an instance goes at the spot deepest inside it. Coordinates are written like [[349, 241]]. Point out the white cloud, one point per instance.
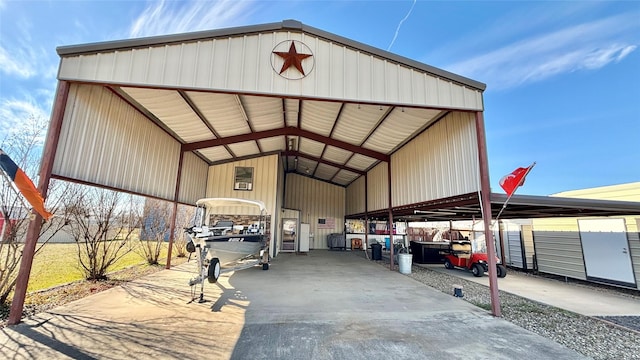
[[400, 24], [14, 113], [17, 64], [169, 17], [586, 46]]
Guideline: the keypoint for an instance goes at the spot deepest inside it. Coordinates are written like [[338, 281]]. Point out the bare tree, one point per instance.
[[102, 223], [156, 224], [24, 146], [183, 217]]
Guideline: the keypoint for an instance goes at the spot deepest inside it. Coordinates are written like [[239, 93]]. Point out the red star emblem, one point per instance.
[[292, 58]]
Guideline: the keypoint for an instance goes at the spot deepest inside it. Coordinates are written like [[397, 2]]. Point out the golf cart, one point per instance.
[[459, 254]]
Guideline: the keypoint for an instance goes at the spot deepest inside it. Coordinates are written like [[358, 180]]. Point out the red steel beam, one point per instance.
[[285, 131], [33, 232]]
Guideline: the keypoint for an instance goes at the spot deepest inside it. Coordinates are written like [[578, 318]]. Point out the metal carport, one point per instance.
[[154, 116]]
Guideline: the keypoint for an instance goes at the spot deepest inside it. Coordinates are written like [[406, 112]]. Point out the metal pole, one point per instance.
[[486, 213], [172, 228], [48, 156], [366, 218], [391, 262]]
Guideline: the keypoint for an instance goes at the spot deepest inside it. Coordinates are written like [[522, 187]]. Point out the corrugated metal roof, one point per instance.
[[467, 206]]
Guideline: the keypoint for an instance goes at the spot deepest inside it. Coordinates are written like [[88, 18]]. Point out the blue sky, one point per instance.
[[563, 78]]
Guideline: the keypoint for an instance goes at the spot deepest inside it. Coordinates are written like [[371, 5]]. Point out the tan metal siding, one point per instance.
[[622, 192], [555, 224], [316, 200], [243, 63], [355, 197], [106, 142], [378, 187], [560, 253], [265, 173], [193, 184], [441, 162]]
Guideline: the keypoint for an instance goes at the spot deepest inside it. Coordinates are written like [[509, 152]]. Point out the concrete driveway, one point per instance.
[[324, 305]]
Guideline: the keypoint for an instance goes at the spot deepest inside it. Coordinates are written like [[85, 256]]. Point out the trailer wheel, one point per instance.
[[477, 270], [448, 264], [502, 270], [214, 270]]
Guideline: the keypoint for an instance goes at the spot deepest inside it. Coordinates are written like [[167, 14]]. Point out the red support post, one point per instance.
[[33, 232], [391, 262], [366, 214], [172, 228], [485, 199]]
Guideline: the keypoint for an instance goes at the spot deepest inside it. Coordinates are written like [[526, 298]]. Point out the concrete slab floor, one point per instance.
[[324, 305]]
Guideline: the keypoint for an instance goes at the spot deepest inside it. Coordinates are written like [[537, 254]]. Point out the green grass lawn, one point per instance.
[[57, 264]]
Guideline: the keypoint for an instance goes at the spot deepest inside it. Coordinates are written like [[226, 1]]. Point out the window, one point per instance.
[[243, 178]]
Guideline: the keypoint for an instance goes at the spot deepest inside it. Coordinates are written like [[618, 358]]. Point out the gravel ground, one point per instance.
[[589, 336]]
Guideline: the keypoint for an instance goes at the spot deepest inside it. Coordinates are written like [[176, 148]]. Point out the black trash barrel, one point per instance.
[[376, 252]]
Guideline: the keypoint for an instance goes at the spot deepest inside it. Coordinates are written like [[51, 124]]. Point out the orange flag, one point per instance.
[[24, 184]]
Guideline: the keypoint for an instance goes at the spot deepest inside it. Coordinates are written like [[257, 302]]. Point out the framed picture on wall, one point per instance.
[[243, 178]]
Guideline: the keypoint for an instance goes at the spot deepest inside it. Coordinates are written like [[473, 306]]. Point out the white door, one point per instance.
[[303, 239], [289, 235], [606, 250]]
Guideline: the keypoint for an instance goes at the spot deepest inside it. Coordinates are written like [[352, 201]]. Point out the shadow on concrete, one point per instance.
[[326, 305]]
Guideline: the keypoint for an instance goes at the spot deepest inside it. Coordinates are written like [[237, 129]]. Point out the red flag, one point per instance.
[[24, 184], [512, 181]]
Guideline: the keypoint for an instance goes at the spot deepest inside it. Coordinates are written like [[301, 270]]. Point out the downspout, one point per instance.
[[486, 213], [35, 225]]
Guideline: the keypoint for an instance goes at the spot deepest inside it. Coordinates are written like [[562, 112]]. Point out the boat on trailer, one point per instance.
[[224, 242]]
